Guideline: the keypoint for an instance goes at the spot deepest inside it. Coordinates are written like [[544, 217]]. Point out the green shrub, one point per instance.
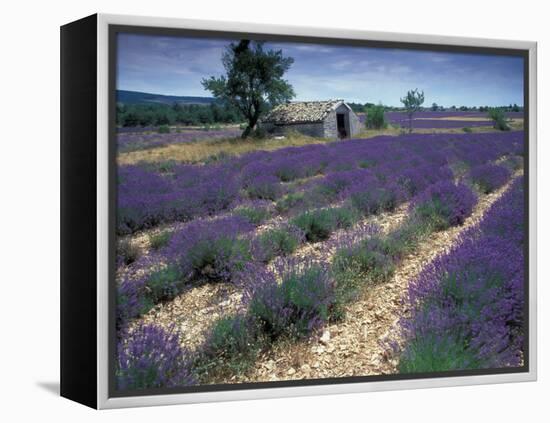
[[163, 129], [254, 215], [499, 119], [366, 163], [219, 258], [317, 225], [159, 240], [436, 352], [164, 284], [433, 213], [231, 347], [290, 201], [277, 242], [373, 200], [375, 117], [295, 306], [404, 240], [345, 217], [371, 259], [467, 129], [128, 251]]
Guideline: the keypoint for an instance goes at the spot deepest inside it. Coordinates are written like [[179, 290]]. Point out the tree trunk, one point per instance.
[[252, 121], [246, 132]]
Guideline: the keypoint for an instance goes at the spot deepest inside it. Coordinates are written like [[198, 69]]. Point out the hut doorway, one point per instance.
[[341, 125]]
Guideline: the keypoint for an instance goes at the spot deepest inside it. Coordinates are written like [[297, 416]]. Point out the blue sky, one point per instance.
[[176, 65]]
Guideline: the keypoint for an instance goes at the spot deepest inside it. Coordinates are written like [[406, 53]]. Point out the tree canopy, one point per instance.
[[253, 82], [412, 103]]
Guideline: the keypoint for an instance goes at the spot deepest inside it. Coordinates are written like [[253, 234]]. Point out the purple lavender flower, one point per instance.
[[443, 204], [296, 306], [489, 177], [150, 357], [210, 248]]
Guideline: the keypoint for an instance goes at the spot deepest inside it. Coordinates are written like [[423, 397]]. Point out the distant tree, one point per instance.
[[412, 103], [435, 107], [253, 82], [375, 117], [515, 108], [499, 119]]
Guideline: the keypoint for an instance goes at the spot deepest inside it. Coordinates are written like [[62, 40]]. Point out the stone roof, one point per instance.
[[301, 112]]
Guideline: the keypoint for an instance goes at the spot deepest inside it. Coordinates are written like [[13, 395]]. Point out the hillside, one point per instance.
[[136, 97]]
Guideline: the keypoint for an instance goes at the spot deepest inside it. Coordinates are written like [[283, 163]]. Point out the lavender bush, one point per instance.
[[489, 177], [275, 242], [443, 204], [297, 305], [210, 248], [150, 357]]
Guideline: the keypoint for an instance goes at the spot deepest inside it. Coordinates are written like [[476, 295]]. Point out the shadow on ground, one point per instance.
[[51, 387]]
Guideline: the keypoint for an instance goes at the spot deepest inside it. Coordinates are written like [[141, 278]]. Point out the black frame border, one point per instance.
[[115, 29], [78, 211]]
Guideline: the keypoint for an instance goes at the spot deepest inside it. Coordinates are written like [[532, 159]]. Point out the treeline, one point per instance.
[[510, 108], [164, 114], [360, 107]]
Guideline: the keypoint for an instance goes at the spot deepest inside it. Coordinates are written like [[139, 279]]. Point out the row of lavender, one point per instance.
[[467, 307], [157, 193], [308, 296]]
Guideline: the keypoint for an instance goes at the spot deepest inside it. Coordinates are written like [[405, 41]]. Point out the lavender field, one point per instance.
[[291, 256], [444, 120]]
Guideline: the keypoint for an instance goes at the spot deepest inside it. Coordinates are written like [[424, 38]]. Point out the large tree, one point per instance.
[[412, 103], [253, 81]]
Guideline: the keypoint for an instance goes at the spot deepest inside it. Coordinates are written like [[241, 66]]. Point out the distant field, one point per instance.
[[134, 139], [445, 119]]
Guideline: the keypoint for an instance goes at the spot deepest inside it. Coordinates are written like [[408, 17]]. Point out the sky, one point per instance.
[[176, 65]]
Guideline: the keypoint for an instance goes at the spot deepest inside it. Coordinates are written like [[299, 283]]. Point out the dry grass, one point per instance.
[[199, 151]]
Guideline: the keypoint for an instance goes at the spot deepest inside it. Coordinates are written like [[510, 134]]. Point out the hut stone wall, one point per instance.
[[310, 129], [316, 119]]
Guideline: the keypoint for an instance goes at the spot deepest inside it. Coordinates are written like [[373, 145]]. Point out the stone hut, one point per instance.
[[326, 119]]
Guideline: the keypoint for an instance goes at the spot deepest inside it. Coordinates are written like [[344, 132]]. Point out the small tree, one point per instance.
[[499, 119], [375, 118], [412, 103], [254, 80], [435, 107]]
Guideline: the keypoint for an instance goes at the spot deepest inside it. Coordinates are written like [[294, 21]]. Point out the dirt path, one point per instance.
[[352, 347]]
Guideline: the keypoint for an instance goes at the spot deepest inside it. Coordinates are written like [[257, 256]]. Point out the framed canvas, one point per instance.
[[255, 211]]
